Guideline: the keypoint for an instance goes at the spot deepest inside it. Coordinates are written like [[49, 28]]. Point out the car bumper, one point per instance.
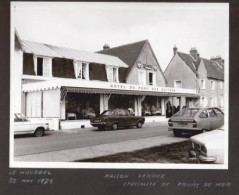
[[98, 124], [202, 158], [184, 128]]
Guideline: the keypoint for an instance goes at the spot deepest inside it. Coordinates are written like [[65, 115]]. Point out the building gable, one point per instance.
[[178, 70], [147, 62]]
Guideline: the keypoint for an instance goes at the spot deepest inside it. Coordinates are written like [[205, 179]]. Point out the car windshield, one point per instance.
[[20, 117], [190, 112], [107, 113]]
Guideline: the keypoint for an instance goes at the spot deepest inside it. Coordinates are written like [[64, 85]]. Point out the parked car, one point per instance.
[[24, 126], [196, 120], [116, 118], [209, 147]]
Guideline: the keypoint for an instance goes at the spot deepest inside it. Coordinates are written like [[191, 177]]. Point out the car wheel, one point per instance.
[[177, 133], [39, 132], [139, 124], [115, 126]]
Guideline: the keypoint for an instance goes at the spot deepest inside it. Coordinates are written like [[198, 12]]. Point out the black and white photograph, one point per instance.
[[119, 85]]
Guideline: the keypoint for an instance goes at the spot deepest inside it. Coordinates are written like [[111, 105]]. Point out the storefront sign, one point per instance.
[[148, 66], [58, 83]]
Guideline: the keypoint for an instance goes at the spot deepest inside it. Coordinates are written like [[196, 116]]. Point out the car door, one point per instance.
[[129, 119], [213, 119], [220, 116], [122, 118]]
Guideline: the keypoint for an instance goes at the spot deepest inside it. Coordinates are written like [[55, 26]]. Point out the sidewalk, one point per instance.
[[99, 150], [77, 124]]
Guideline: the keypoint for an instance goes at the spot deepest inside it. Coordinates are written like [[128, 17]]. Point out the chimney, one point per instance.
[[106, 46], [219, 60], [194, 53], [175, 49]]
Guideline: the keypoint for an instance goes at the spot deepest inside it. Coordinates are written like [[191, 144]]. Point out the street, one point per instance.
[[55, 141]]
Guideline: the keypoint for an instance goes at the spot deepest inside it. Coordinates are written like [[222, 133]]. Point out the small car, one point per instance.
[[24, 126], [116, 118], [209, 147], [196, 120]]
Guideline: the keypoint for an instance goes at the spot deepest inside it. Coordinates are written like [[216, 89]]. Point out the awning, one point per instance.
[[65, 90]]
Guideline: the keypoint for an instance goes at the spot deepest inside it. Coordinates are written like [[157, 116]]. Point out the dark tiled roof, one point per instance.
[[213, 69], [188, 59], [128, 54]]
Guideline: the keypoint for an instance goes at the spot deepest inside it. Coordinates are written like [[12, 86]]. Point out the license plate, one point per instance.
[[96, 121], [182, 123]]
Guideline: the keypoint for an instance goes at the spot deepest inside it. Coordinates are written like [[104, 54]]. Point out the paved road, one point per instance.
[[70, 139]]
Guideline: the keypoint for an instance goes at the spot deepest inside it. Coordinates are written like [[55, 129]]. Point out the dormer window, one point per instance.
[[81, 70], [43, 66], [112, 74]]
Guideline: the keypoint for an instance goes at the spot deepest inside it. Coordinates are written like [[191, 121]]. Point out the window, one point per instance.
[[215, 101], [81, 70], [43, 66], [151, 78], [202, 84], [142, 77], [221, 85], [212, 85], [211, 113], [202, 100], [219, 112], [222, 101], [178, 84], [211, 101], [112, 74]]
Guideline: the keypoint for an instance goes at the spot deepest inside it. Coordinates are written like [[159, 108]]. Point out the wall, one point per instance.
[[208, 92], [16, 88], [51, 103], [179, 70], [146, 57]]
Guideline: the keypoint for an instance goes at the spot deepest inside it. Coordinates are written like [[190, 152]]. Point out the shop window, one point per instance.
[[202, 84], [178, 84], [82, 70], [151, 106], [82, 106], [152, 80], [43, 66]]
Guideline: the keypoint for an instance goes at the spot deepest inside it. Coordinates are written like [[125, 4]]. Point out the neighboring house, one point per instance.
[[194, 72]]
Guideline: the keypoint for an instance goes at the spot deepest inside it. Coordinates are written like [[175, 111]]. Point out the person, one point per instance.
[[168, 110], [178, 108], [173, 110]]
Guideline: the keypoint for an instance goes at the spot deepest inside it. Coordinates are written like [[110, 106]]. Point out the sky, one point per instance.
[[89, 26]]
